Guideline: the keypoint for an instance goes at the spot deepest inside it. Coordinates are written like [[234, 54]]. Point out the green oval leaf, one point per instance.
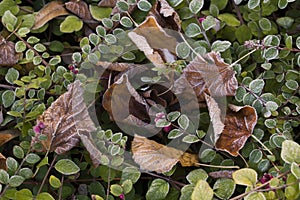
[[70, 24], [183, 50], [224, 188], [196, 5], [245, 176], [290, 152], [158, 190], [12, 75], [202, 191], [66, 167]]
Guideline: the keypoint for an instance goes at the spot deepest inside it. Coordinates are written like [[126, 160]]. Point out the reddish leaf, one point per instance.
[[152, 156], [239, 125], [166, 16], [79, 8], [212, 75], [48, 12], [64, 120], [8, 55]]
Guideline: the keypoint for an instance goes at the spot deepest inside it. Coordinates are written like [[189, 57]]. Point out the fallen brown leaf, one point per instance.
[[107, 3], [64, 120], [8, 135], [50, 11], [239, 124], [152, 156], [3, 162], [221, 174], [79, 8], [212, 75], [8, 55]]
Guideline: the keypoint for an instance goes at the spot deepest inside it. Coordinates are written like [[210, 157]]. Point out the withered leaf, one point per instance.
[[107, 3], [121, 100], [239, 124], [152, 156], [119, 67], [212, 75], [8, 55], [79, 8], [166, 16], [64, 120], [94, 152], [48, 12], [3, 162], [8, 135], [215, 116], [1, 115], [221, 174]]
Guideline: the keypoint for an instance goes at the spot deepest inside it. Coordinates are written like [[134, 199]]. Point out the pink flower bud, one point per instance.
[[167, 129], [71, 67], [75, 71], [41, 125], [201, 19], [122, 196], [37, 129]]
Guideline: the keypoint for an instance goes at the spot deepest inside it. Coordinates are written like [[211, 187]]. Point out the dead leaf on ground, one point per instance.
[[119, 67], [215, 114], [212, 75], [8, 55], [3, 162], [49, 12], [1, 115], [166, 16], [79, 8], [8, 135], [95, 153], [63, 121], [152, 156], [239, 124], [221, 174], [107, 3]]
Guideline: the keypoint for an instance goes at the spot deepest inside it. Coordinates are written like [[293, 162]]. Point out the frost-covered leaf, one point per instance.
[[245, 176], [220, 46], [66, 167], [202, 191], [196, 5], [290, 152], [158, 190]]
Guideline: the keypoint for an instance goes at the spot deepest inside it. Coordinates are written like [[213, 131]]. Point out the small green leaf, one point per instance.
[[56, 46], [94, 39], [202, 191], [263, 165], [229, 19], [190, 139], [4, 176], [32, 158], [66, 167], [144, 5], [101, 31], [44, 196], [255, 156], [255, 196], [290, 152], [183, 50], [295, 170], [271, 53], [9, 20], [20, 46], [126, 22], [175, 133], [198, 174], [26, 173], [243, 33], [122, 5], [245, 176], [110, 38], [8, 98], [173, 116], [265, 24], [54, 182], [116, 190], [76, 57], [207, 155], [220, 46], [16, 181], [33, 40], [70, 24], [183, 122], [196, 5], [224, 188], [208, 23], [18, 151], [24, 194], [107, 23], [162, 123], [11, 5], [292, 84], [23, 31], [130, 173], [192, 30], [253, 4], [282, 4], [12, 75], [55, 60], [29, 54], [175, 3], [257, 86], [158, 190]]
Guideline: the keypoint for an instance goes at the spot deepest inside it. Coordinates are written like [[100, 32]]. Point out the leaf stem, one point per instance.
[[267, 149], [218, 166], [241, 58]]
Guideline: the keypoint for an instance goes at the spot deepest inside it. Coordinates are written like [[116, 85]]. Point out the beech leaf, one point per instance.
[[79, 8], [8, 55], [64, 120], [152, 156], [239, 124], [49, 12], [7, 135], [212, 75]]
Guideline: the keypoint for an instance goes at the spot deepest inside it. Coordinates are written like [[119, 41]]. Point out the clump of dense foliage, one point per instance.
[[150, 99]]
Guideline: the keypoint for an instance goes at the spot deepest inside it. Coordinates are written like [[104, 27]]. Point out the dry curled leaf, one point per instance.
[[79, 8], [119, 67], [3, 162], [8, 135], [107, 3], [239, 124], [221, 174], [48, 12], [8, 55], [212, 75], [152, 156], [166, 16], [215, 114], [64, 120]]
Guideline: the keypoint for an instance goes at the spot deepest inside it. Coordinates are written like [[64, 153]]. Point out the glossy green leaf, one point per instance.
[[66, 167], [290, 152], [70, 24], [245, 176], [194, 176], [158, 190], [99, 13], [224, 188]]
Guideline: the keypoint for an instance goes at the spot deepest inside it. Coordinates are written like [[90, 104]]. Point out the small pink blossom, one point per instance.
[[167, 129], [201, 19], [122, 196], [158, 116], [37, 129], [71, 67], [41, 125], [75, 71]]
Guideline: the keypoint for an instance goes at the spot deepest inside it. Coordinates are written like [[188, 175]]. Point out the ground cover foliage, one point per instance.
[[150, 99]]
